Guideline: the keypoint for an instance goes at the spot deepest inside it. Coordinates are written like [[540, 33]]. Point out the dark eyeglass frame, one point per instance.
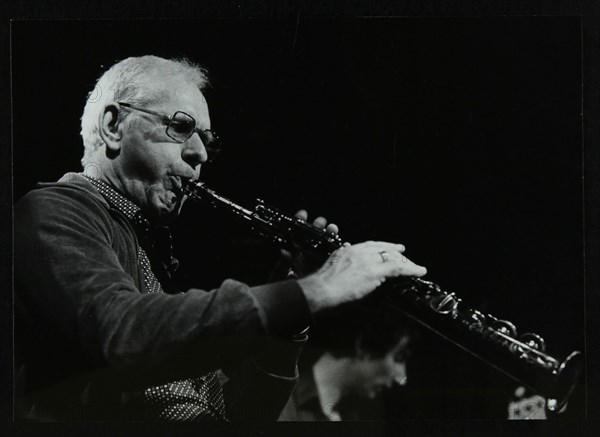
[[211, 141]]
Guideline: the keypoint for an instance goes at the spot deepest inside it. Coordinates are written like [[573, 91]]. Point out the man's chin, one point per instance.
[[167, 212]]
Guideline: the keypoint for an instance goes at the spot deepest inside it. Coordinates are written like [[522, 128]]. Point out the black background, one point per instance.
[[459, 137]]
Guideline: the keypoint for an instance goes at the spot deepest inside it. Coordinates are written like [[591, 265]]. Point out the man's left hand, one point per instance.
[[303, 263]]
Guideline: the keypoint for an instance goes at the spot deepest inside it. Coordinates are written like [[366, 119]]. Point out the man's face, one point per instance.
[[151, 165], [375, 374]]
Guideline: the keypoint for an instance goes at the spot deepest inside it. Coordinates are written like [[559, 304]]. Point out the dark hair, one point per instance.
[[374, 328]]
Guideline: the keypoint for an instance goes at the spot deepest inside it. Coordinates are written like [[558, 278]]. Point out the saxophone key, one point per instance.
[[444, 303]]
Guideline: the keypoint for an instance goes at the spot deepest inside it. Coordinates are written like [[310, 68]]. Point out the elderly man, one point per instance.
[[102, 332]]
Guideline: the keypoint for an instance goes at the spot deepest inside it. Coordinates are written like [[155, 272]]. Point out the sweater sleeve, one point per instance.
[[256, 393], [72, 282]]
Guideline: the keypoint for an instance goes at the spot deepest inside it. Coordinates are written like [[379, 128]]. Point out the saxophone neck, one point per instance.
[[286, 231], [198, 191]]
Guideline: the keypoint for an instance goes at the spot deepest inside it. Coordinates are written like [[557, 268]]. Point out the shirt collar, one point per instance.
[[121, 203]]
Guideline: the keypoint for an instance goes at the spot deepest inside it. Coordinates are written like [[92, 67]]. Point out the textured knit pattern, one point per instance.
[[186, 400]]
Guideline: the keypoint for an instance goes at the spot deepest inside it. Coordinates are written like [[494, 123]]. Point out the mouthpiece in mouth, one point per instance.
[[188, 186]]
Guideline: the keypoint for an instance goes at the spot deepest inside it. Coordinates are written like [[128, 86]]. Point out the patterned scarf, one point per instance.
[[195, 399]]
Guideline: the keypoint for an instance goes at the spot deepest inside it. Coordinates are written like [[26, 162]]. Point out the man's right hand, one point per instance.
[[352, 272]]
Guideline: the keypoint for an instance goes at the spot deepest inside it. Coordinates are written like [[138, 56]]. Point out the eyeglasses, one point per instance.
[[181, 126]]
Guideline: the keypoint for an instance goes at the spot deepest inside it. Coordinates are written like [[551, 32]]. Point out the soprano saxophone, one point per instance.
[[492, 340]]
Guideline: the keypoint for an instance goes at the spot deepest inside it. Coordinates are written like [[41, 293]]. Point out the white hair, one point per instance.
[[129, 80]]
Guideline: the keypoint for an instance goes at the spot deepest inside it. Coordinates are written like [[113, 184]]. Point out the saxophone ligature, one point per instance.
[[488, 338]]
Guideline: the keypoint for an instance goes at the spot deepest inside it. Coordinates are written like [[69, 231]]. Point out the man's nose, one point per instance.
[[194, 152]]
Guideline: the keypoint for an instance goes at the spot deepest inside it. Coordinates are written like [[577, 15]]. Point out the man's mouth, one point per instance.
[[176, 186]]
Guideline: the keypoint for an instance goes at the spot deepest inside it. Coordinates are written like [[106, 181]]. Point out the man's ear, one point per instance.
[[111, 129]]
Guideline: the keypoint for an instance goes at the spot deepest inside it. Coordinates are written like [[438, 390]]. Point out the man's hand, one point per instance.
[[319, 222], [352, 272], [302, 263]]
